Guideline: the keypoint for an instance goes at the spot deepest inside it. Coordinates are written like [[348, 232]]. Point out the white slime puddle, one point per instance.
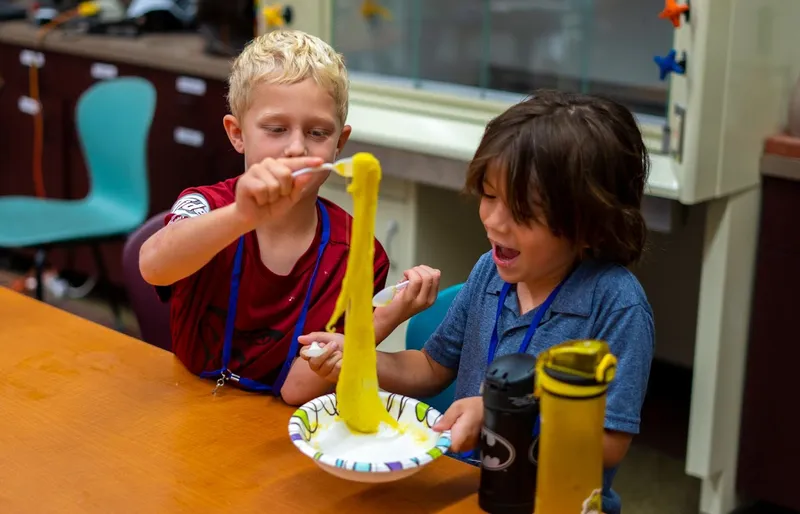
[[387, 445]]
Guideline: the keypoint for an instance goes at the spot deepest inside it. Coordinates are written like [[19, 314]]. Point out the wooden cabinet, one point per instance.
[[769, 446], [17, 110], [17, 115]]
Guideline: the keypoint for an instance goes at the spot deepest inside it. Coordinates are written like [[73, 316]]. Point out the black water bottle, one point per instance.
[[508, 462]]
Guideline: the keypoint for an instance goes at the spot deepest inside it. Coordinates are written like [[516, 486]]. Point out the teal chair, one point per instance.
[[421, 327], [113, 120]]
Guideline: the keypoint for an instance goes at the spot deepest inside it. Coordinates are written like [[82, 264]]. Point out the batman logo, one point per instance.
[[498, 454], [533, 453]]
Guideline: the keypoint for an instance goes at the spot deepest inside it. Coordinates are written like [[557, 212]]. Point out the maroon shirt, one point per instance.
[[269, 305]]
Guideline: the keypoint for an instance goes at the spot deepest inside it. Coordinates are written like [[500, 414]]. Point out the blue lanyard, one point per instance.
[[246, 383], [537, 318], [469, 456]]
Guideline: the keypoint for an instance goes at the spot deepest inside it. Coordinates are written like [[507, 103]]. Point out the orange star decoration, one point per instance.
[[371, 9], [672, 11], [273, 15]]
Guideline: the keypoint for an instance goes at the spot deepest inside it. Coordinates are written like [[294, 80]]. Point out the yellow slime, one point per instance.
[[360, 407]]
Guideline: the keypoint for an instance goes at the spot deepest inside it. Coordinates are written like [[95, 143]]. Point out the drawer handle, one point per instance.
[[188, 137], [103, 71], [190, 86], [28, 105], [30, 58]]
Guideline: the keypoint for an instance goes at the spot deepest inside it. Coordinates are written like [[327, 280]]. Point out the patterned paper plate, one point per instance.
[[317, 432]]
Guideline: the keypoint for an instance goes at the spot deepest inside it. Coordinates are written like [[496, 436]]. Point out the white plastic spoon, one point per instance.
[[342, 167], [385, 296]]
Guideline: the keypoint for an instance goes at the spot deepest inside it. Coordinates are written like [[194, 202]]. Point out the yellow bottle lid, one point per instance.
[[580, 368]]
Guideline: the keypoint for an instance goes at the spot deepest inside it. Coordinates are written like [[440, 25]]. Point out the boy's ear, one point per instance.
[[234, 131], [343, 137]]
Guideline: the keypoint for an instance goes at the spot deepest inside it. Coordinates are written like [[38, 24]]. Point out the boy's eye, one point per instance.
[[320, 134], [488, 196], [274, 129]]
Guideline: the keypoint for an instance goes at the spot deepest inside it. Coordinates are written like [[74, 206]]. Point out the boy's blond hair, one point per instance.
[[287, 57]]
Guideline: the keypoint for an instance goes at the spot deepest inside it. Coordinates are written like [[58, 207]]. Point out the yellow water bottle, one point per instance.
[[572, 381]]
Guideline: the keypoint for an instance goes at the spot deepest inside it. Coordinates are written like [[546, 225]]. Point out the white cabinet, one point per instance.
[[395, 228]]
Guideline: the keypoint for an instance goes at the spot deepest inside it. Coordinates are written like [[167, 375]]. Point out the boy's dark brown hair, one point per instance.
[[579, 162]]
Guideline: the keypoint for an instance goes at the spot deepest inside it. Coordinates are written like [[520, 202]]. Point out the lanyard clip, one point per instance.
[[225, 376]]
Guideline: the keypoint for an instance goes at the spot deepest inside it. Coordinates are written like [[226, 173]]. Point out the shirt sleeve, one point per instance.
[[190, 203], [630, 334], [445, 344]]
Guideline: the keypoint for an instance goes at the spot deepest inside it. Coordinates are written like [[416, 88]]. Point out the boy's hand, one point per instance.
[[464, 419], [327, 365], [267, 189], [418, 295]]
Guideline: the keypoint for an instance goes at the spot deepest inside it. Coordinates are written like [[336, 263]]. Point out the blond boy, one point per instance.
[[252, 262]]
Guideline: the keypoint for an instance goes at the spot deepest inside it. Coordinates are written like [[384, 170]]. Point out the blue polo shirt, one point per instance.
[[599, 300]]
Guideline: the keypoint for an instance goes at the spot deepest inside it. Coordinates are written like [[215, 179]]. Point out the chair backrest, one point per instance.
[[151, 313], [419, 330], [113, 119]]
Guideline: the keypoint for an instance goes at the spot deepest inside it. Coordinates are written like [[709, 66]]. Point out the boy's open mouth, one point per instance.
[[505, 255]]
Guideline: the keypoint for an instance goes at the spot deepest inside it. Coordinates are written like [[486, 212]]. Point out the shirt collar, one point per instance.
[[576, 295]]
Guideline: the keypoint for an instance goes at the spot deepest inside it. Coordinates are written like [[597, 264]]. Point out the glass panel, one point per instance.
[[453, 45], [540, 43], [377, 46], [507, 48]]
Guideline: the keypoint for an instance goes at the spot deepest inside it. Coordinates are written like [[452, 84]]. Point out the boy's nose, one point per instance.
[[495, 220], [296, 148]]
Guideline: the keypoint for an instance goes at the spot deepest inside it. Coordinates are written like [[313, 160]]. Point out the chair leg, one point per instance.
[[38, 263], [110, 291]]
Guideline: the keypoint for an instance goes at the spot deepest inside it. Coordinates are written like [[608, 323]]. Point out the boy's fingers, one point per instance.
[[253, 183], [427, 281], [414, 283], [330, 363], [320, 337], [448, 419], [460, 437], [298, 163], [334, 374], [283, 174], [266, 188], [434, 291]]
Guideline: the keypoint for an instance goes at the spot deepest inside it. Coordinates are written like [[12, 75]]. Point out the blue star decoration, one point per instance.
[[668, 64]]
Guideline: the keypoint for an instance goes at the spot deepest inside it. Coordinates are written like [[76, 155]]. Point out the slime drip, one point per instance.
[[359, 405]]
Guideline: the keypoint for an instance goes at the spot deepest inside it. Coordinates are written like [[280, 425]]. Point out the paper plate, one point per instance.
[[316, 430]]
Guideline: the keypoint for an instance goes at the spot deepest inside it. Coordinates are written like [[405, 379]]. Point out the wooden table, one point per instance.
[[95, 421]]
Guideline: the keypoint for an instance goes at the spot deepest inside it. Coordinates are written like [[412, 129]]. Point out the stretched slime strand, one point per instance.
[[359, 405]]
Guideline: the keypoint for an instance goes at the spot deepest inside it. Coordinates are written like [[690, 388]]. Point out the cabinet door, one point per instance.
[[17, 118], [17, 110], [179, 152], [395, 229], [769, 447], [227, 161]]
